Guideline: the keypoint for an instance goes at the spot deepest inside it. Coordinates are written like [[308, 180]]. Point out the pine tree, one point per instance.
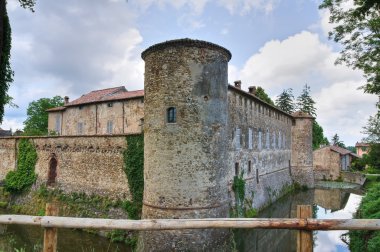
[[285, 101], [305, 103], [336, 141]]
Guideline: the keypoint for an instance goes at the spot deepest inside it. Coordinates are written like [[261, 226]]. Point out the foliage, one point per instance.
[[337, 142], [366, 240], [285, 101], [262, 95], [351, 148], [28, 4], [373, 158], [359, 164], [305, 103], [372, 129], [238, 186], [24, 176], [134, 169], [357, 28], [36, 122], [318, 136], [6, 73]]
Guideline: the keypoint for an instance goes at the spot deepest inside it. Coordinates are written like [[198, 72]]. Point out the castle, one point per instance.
[[199, 132]]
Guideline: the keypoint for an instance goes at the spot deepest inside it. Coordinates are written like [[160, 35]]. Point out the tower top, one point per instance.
[[187, 43]]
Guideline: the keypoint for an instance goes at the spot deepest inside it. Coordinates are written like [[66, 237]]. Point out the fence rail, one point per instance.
[[171, 224], [303, 223]]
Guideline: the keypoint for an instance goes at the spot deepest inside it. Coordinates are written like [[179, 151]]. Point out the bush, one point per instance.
[[365, 240]]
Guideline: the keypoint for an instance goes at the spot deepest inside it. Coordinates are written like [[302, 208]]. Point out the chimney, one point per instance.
[[238, 84], [252, 90], [66, 100]]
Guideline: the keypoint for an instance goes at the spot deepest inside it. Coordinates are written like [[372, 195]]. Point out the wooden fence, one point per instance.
[[304, 223]]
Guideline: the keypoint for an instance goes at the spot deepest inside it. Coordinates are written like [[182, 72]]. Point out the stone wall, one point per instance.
[[353, 177], [126, 116], [326, 164], [259, 143], [89, 164], [8, 149]]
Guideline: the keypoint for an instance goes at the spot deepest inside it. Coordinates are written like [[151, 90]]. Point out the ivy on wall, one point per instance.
[[134, 169], [24, 176]]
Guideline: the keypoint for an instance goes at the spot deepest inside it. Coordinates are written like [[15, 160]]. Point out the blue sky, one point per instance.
[[72, 47]]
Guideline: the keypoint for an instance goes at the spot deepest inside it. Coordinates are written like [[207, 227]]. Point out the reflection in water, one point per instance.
[[30, 238], [328, 204]]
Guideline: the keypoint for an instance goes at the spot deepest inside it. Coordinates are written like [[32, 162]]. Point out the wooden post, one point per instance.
[[50, 234], [304, 238]]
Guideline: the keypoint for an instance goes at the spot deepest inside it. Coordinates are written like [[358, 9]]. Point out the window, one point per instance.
[[257, 175], [250, 145], [249, 166], [109, 127], [237, 138], [58, 124], [260, 140], [80, 107], [80, 128], [171, 115], [274, 140], [279, 140], [267, 143], [236, 169], [110, 104]]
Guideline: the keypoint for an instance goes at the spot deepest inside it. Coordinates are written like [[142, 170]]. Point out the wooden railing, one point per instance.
[[304, 223]]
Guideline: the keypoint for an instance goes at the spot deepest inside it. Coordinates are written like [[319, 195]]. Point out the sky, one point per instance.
[[73, 47]]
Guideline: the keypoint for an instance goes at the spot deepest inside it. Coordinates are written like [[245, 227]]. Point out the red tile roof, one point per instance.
[[340, 150], [361, 145], [56, 109], [109, 94]]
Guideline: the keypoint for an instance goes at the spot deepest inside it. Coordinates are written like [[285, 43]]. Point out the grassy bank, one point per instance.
[[365, 240]]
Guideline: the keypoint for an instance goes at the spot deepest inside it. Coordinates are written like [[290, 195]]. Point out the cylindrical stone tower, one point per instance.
[[185, 142], [302, 149]]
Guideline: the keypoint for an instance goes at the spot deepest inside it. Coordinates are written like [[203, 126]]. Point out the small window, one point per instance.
[[236, 169], [260, 143], [80, 128], [238, 138], [267, 143], [249, 166], [257, 175], [109, 127], [110, 104], [172, 115], [250, 145], [80, 107]]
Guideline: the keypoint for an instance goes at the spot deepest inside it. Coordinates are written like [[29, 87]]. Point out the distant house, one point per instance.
[[329, 161], [100, 112], [361, 148], [4, 133]]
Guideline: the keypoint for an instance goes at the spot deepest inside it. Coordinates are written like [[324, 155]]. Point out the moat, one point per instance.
[[327, 203]]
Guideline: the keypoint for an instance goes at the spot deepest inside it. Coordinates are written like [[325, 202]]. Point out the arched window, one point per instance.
[[171, 115], [52, 173]]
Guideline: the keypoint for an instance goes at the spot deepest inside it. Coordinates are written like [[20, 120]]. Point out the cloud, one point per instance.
[[303, 58], [244, 7]]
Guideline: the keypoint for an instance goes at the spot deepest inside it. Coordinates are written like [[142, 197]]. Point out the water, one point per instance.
[[327, 204]]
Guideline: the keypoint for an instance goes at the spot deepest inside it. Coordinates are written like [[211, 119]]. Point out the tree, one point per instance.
[[305, 103], [285, 101], [358, 29], [6, 73], [372, 129], [260, 93], [337, 142], [318, 136], [36, 123]]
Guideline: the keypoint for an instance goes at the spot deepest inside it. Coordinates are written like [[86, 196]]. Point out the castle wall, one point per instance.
[[124, 117], [259, 146], [7, 155], [93, 165]]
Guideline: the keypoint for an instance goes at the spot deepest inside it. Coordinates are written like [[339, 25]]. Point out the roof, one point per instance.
[[361, 144], [109, 94], [5, 132], [102, 95], [340, 150]]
